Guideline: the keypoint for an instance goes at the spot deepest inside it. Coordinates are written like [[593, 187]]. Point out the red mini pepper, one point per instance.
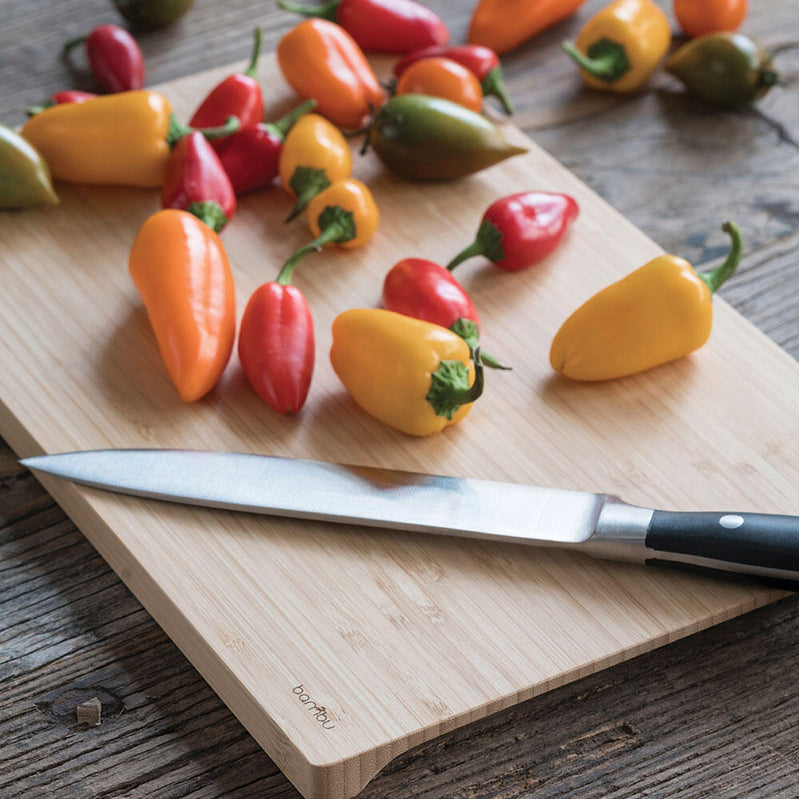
[[276, 343], [425, 290], [250, 156], [380, 26], [481, 61], [521, 229], [196, 181], [59, 98], [114, 57], [71, 96], [239, 95]]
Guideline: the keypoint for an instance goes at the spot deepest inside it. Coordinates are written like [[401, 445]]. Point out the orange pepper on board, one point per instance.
[[699, 17], [503, 25], [352, 197], [442, 77], [321, 61], [181, 271]]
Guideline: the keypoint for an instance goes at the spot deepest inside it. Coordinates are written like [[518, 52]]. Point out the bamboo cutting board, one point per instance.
[[340, 647]]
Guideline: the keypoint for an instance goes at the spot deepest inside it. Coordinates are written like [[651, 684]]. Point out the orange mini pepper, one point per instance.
[[344, 214], [442, 77], [503, 25], [699, 17], [314, 154], [321, 61], [181, 271]]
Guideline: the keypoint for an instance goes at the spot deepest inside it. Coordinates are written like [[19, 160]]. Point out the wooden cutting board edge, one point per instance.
[[344, 777], [347, 776]]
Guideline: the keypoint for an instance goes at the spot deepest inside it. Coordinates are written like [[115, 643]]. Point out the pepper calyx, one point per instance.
[[605, 60], [467, 329], [492, 84], [283, 125], [210, 212], [714, 278], [450, 387], [336, 225], [488, 242], [177, 130], [306, 182], [325, 10], [252, 67]]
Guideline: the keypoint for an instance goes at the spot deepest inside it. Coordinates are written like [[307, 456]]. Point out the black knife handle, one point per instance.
[[764, 545]]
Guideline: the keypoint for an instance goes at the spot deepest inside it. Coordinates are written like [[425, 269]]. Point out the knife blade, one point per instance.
[[600, 525]]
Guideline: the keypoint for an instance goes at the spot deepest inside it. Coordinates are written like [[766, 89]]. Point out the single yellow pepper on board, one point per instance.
[[410, 374], [314, 155], [620, 47], [121, 139], [659, 312]]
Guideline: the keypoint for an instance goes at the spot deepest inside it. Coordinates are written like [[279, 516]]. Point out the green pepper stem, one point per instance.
[[467, 329], [492, 84], [177, 130], [768, 77], [336, 225], [326, 10], [306, 183], [252, 67], [716, 277], [73, 43], [210, 212], [449, 389], [283, 125], [475, 249], [605, 60], [488, 242]]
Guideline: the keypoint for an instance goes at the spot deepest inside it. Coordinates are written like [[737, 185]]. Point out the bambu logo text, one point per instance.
[[319, 713]]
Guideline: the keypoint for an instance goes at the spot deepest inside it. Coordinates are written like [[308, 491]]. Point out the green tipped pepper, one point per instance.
[[152, 13], [24, 174], [726, 69], [430, 138]]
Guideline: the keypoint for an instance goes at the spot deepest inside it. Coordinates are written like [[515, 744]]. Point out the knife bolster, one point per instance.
[[620, 532]]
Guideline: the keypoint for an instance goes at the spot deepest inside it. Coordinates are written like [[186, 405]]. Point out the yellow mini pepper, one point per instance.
[[620, 47], [410, 374], [313, 155], [659, 312], [121, 139]]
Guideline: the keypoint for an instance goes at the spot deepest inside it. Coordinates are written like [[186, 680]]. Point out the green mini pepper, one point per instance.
[[429, 138], [152, 13], [726, 69], [24, 175]]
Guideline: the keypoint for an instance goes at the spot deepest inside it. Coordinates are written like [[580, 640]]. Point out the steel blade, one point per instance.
[[341, 493]]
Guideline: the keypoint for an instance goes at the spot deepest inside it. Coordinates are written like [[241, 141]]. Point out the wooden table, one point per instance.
[[714, 714]]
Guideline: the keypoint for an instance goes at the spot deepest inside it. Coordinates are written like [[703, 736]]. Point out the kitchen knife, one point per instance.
[[600, 525]]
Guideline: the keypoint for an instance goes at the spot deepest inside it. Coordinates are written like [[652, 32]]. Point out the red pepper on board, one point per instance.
[[196, 181], [239, 95], [518, 230], [60, 98], [481, 61], [276, 343], [114, 57], [425, 290], [250, 156], [380, 26], [71, 96]]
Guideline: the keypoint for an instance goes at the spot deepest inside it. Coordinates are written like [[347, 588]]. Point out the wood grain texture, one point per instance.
[[171, 765]]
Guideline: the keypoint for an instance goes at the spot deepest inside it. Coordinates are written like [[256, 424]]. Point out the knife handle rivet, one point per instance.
[[731, 521]]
